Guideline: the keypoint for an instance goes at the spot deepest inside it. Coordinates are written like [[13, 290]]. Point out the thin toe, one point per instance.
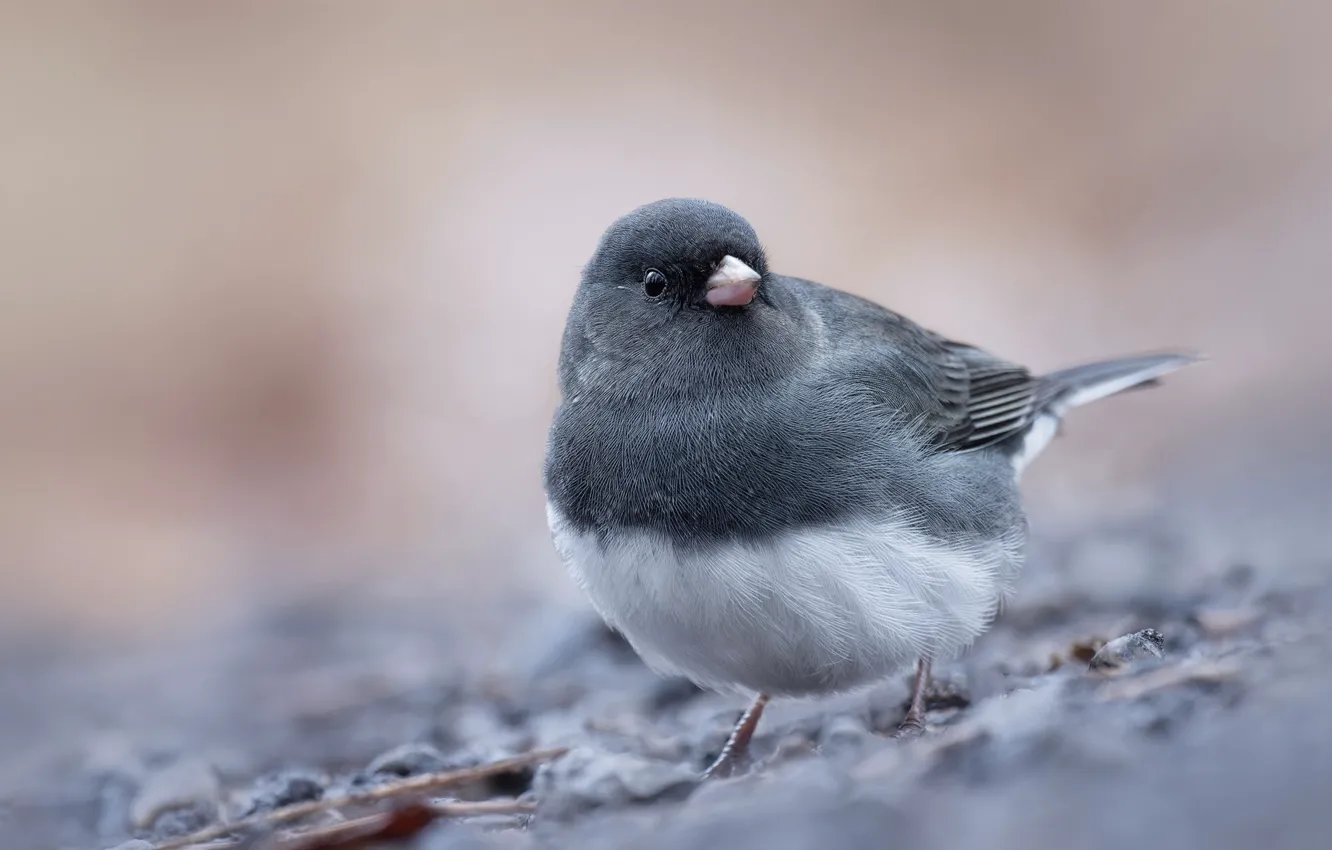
[[728, 764], [910, 729], [721, 769]]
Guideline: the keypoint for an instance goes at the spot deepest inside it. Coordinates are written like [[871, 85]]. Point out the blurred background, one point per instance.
[[282, 284]]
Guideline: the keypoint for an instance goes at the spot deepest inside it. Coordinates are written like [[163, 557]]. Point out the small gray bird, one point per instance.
[[774, 487]]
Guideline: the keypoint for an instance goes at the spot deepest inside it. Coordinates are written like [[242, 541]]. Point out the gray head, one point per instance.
[[679, 253], [678, 293]]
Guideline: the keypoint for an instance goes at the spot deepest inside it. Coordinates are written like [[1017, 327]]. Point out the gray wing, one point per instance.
[[982, 400], [964, 397]]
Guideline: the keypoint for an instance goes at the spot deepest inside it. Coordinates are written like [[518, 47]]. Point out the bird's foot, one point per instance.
[[729, 763], [736, 752], [911, 728], [913, 724]]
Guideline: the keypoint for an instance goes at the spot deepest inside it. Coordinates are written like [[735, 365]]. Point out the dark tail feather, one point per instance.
[[1059, 392]]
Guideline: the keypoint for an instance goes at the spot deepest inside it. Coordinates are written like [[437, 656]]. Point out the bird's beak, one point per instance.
[[733, 284]]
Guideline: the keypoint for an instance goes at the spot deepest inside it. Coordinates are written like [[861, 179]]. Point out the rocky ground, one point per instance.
[[1212, 731]]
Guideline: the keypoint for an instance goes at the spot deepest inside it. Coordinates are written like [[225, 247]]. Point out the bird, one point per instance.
[[776, 488]]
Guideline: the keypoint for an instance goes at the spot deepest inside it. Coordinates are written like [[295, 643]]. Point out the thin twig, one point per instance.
[[384, 826], [410, 785], [400, 823]]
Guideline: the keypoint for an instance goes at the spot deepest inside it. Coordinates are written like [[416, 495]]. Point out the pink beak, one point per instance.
[[733, 284]]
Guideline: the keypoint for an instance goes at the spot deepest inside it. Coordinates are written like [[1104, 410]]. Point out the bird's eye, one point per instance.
[[654, 283]]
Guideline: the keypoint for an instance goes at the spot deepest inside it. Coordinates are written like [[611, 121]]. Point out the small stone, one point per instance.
[[186, 783], [1148, 643], [419, 758], [409, 760], [585, 779], [281, 789], [184, 820]]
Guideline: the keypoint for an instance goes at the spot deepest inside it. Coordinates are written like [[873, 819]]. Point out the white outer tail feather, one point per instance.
[[1081, 385]]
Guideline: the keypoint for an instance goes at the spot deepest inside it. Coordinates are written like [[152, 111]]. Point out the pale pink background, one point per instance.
[[281, 284]]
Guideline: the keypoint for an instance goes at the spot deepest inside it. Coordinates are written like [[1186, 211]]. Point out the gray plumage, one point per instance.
[[800, 494]]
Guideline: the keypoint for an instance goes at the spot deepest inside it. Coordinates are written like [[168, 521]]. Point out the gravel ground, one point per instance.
[[1208, 731]]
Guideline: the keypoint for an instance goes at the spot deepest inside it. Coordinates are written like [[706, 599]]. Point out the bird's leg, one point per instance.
[[737, 746], [914, 722]]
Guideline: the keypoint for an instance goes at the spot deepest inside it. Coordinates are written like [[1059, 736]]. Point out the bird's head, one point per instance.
[[678, 291]]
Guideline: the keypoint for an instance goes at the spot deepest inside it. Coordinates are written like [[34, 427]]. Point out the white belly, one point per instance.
[[814, 612]]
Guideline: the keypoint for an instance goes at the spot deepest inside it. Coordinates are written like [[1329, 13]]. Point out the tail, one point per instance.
[[1059, 392]]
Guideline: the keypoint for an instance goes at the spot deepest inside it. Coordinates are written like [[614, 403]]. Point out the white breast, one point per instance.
[[813, 612]]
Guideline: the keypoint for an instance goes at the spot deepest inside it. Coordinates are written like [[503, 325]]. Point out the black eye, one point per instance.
[[654, 283]]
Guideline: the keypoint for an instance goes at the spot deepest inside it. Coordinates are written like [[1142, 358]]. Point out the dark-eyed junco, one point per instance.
[[771, 486]]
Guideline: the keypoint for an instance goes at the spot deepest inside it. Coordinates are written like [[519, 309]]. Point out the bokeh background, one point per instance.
[[282, 284]]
